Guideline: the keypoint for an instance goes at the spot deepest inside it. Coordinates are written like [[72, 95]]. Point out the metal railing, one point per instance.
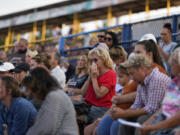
[[128, 37]]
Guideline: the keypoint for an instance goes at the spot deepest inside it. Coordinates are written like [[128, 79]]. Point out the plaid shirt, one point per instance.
[[150, 94]]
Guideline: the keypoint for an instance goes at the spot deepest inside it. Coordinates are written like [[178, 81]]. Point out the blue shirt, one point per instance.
[[18, 118]]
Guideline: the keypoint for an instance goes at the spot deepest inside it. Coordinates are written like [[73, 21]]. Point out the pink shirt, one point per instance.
[[171, 102]]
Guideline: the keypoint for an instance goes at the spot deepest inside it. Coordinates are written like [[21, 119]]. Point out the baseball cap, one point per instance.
[[148, 37], [136, 60], [6, 66], [21, 67], [104, 46]]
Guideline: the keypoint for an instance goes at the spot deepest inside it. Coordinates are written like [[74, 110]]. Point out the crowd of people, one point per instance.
[[42, 93]]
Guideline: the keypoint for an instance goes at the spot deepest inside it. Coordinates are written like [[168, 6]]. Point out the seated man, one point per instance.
[[150, 92]]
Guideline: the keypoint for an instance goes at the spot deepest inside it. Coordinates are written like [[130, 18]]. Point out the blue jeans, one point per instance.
[[95, 112], [107, 126]]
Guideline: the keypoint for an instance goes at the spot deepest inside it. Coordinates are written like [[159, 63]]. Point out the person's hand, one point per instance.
[[97, 121], [146, 129], [76, 98], [74, 91], [117, 99], [94, 71], [69, 90], [159, 47], [89, 70], [116, 113], [177, 132]]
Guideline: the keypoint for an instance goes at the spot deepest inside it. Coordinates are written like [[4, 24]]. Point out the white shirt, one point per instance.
[[59, 75]]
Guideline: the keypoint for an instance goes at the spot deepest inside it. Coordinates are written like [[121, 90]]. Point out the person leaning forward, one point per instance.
[[150, 92]]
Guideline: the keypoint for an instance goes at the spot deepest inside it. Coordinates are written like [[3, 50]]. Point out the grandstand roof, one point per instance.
[[99, 11]]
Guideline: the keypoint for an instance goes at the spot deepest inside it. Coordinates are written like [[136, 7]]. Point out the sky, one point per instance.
[[13, 6]]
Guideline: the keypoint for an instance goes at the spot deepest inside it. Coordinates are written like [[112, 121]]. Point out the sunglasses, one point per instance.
[[93, 60], [109, 39], [100, 36]]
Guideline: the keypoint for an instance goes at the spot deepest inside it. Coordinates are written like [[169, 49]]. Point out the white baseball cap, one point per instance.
[[6, 66], [148, 36]]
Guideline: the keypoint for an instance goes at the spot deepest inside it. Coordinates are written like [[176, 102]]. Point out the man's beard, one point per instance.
[[22, 51]]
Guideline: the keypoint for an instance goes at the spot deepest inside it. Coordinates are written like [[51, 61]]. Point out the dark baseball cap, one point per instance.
[[21, 67]]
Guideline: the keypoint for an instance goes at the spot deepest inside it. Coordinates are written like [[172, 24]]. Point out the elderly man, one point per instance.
[[56, 71], [150, 92]]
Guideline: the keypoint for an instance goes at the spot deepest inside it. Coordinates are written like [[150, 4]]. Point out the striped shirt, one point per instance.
[[150, 94]]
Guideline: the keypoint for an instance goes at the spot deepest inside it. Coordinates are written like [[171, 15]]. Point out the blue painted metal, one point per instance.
[[61, 48], [126, 33], [174, 26], [126, 36]]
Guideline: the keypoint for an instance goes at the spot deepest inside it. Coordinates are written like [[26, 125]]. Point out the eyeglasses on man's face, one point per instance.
[[101, 36]]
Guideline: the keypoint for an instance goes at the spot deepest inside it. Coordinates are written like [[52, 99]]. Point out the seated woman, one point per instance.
[[118, 55], [107, 125], [111, 39], [99, 89], [168, 117], [74, 85], [56, 115], [41, 60], [148, 49], [16, 113]]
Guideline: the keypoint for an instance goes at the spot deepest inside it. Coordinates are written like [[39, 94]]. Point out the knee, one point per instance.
[[89, 130]]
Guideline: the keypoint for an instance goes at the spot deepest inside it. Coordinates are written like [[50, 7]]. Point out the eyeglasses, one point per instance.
[[109, 39], [93, 60], [100, 36]]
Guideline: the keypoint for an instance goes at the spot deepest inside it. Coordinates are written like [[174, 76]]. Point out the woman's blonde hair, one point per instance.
[[78, 70], [31, 53], [104, 55]]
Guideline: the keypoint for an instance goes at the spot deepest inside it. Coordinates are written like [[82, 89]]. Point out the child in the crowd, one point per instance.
[[128, 87]]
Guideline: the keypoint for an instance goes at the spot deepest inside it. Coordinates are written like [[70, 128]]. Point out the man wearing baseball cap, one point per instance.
[[5, 68]]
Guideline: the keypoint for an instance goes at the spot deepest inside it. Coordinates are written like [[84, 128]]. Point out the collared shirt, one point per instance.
[[59, 75], [150, 94], [18, 118]]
